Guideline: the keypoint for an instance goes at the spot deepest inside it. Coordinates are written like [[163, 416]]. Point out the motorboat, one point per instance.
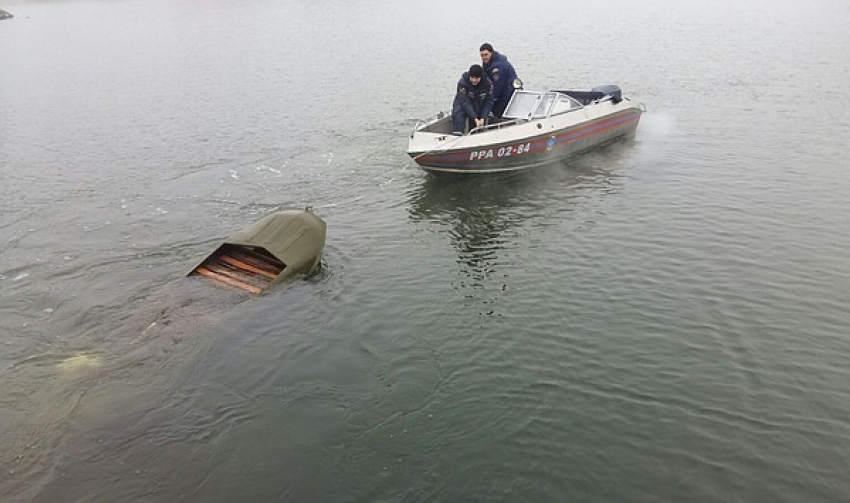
[[537, 127]]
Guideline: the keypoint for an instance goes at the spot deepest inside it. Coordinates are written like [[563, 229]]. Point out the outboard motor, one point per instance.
[[611, 90]]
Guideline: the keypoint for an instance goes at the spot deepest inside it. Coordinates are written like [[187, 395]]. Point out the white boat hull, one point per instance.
[[526, 144]]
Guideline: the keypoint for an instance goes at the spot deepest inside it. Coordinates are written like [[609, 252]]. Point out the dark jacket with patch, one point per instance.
[[502, 74], [475, 102]]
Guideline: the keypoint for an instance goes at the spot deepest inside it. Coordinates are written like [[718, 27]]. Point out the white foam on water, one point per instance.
[[657, 124]]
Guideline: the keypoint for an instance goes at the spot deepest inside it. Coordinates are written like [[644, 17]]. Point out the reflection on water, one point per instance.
[[480, 213], [484, 215]]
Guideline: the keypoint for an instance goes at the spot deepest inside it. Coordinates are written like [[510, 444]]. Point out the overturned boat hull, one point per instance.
[[279, 246]]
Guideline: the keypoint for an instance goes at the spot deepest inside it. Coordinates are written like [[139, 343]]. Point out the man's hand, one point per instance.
[[479, 122]]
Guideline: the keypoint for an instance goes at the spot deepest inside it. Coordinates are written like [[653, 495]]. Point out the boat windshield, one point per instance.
[[564, 104], [536, 105], [522, 104], [544, 105]]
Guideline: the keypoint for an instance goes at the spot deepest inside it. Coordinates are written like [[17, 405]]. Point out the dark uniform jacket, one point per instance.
[[502, 73], [471, 102]]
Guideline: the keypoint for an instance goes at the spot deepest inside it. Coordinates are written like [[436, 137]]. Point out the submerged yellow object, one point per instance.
[[280, 245], [79, 362]]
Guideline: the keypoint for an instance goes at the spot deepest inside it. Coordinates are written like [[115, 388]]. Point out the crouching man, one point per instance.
[[473, 101]]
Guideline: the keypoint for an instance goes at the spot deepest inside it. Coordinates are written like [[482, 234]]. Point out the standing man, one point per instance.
[[501, 73], [473, 101]]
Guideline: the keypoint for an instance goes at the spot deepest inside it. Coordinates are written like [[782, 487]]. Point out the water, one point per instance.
[[665, 319]]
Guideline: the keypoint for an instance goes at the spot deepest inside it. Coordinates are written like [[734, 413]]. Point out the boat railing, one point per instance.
[[430, 120], [423, 123], [496, 125], [551, 110]]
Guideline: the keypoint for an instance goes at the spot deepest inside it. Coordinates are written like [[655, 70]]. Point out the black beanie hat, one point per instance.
[[476, 71]]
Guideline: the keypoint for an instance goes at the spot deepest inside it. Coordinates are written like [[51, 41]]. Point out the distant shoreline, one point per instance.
[[5, 15]]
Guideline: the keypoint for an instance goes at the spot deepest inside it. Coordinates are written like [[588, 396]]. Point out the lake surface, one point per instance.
[[664, 319]]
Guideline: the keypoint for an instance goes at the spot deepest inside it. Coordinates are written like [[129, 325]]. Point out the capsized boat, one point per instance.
[[278, 246], [537, 127]]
